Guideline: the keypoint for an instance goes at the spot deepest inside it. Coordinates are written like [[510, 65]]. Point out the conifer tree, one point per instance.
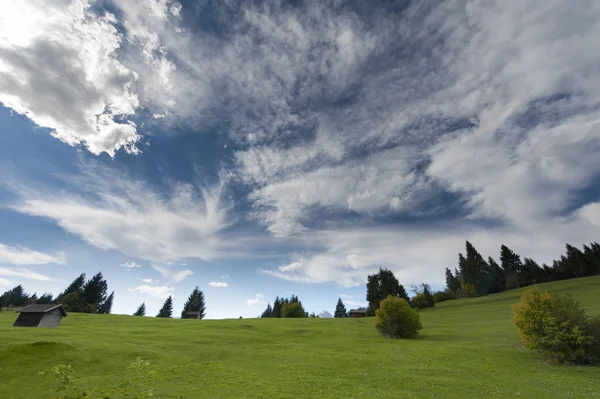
[[75, 286], [94, 290], [379, 286], [141, 310], [512, 266], [106, 306], [496, 279], [277, 307], [167, 309], [268, 312], [340, 309], [452, 282], [45, 299], [195, 303]]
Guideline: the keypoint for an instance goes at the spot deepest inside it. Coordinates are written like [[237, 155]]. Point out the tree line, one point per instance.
[[83, 296], [286, 308], [476, 276], [92, 296]]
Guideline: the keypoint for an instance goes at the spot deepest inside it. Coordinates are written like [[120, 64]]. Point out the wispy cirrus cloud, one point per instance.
[[23, 273], [109, 210], [24, 256]]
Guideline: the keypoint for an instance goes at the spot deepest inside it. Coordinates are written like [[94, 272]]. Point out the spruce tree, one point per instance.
[[277, 307], [512, 266], [340, 309], [475, 269], [45, 299], [141, 310], [268, 311], [75, 286], [496, 280], [106, 306], [167, 309], [195, 303], [94, 290], [452, 282]]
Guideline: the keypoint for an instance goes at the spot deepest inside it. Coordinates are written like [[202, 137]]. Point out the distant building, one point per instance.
[[40, 316], [326, 315], [192, 315], [355, 313]]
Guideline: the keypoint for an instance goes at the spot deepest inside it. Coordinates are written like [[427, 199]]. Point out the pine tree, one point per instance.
[[141, 310], [45, 299], [379, 286], [452, 282], [167, 309], [512, 266], [340, 309], [474, 269], [496, 277], [106, 306], [15, 296], [428, 295], [94, 291], [277, 307], [268, 311], [195, 303], [75, 286]]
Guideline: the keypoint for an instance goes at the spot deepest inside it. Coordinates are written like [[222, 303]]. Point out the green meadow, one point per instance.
[[468, 348]]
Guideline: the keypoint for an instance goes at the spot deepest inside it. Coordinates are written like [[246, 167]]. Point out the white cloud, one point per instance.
[[354, 303], [157, 292], [344, 296], [23, 273], [130, 265], [4, 283], [147, 280], [25, 256], [110, 211], [218, 284], [169, 273], [257, 300], [59, 67], [291, 267]]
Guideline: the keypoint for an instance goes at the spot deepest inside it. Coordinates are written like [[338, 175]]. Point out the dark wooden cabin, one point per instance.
[[192, 315], [355, 313], [40, 316]]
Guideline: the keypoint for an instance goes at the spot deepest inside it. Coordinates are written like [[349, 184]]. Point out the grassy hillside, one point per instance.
[[468, 349]]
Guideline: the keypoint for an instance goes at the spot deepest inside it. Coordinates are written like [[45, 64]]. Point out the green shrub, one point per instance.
[[441, 296], [419, 301], [558, 327], [396, 318], [292, 310], [467, 290]]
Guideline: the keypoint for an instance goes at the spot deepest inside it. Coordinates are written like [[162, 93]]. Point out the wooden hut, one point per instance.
[[192, 315], [40, 316], [355, 313]]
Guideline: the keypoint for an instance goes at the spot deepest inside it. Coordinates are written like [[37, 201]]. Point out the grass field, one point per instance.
[[467, 349]]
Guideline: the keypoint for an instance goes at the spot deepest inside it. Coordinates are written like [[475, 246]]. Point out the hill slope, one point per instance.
[[468, 349]]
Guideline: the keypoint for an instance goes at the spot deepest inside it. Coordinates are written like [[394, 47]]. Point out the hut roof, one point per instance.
[[361, 310], [37, 308]]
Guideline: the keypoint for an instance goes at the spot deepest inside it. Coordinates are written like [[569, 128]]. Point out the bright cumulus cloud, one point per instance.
[[290, 144], [218, 284]]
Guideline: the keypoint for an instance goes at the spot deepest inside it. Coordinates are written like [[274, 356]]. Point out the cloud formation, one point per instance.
[[111, 211], [161, 292], [257, 300], [218, 284], [130, 265], [23, 273], [24, 256]]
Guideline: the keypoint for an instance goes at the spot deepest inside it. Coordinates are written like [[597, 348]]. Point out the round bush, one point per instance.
[[395, 318], [557, 326]]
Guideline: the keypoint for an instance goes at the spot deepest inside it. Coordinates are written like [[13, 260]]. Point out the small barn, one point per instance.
[[355, 313], [40, 316], [192, 315]]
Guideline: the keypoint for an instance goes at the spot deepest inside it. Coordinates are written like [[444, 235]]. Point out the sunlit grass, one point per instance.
[[467, 349]]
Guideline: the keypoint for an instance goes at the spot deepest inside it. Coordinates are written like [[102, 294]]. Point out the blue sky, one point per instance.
[[272, 147]]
